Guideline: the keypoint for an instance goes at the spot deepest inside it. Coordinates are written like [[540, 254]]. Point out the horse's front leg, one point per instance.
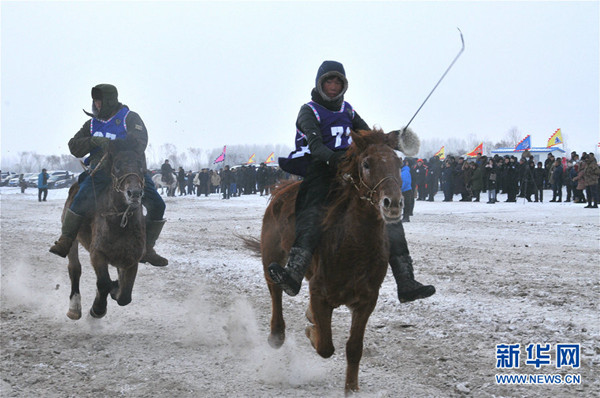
[[125, 284], [354, 345], [319, 333], [74, 274], [271, 252], [277, 335], [103, 284]]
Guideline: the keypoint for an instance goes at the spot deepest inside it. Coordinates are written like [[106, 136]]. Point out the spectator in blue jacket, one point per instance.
[[407, 192], [42, 185]]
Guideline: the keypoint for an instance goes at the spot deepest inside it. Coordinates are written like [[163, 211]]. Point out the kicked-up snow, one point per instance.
[[505, 273]]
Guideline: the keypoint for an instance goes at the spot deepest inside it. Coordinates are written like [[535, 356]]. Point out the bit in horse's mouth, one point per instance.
[[135, 203], [391, 220]]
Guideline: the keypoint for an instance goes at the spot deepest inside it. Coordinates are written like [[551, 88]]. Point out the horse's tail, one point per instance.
[[251, 243]]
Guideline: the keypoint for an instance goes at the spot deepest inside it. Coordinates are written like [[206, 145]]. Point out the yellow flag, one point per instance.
[[441, 153], [555, 139], [270, 158]]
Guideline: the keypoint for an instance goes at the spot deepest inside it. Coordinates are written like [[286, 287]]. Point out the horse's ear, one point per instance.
[[392, 138], [115, 146], [358, 138]]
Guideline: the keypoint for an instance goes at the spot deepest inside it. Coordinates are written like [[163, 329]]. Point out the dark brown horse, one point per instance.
[[114, 234], [351, 260]]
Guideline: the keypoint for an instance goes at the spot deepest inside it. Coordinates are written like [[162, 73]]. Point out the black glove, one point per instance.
[[101, 142], [335, 159]]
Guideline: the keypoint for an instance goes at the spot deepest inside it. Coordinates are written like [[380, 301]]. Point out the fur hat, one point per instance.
[[108, 94], [327, 70]]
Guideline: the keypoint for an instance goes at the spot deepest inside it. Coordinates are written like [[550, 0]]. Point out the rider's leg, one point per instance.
[[310, 201], [84, 204], [401, 263], [155, 210]]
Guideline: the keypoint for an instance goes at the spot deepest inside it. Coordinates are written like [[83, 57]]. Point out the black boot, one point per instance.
[[153, 229], [408, 288], [70, 228], [290, 277]]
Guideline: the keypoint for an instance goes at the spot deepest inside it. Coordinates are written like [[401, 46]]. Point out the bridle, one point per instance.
[[118, 181], [370, 191], [117, 186]]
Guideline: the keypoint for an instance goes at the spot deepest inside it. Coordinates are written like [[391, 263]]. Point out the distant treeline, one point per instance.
[[197, 158]]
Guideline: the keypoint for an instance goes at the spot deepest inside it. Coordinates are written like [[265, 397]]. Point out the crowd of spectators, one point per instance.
[[459, 178], [515, 177], [229, 181]]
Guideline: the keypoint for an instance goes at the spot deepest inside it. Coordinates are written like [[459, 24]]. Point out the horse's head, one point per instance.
[[373, 168], [127, 172]]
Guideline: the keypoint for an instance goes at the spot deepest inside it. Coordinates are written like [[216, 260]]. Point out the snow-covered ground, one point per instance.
[[508, 273]]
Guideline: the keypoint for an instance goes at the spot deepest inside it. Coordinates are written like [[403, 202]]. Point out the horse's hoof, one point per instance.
[[123, 302], [74, 315], [276, 340], [309, 315], [309, 332], [350, 390], [114, 289], [95, 315], [74, 307]]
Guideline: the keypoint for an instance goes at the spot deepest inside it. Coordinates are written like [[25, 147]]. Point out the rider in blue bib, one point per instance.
[[110, 120], [322, 136]]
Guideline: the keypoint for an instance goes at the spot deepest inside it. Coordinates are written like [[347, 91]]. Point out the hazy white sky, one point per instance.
[[208, 74]]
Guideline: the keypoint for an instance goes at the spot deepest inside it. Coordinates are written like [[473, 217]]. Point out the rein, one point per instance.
[[125, 215], [370, 191]]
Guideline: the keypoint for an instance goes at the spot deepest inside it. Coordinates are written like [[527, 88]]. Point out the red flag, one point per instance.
[[221, 157], [477, 151]]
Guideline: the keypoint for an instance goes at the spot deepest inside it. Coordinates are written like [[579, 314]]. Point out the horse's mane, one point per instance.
[[342, 189]]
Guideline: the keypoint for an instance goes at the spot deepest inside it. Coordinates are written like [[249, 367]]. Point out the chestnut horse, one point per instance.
[[114, 234], [351, 260]]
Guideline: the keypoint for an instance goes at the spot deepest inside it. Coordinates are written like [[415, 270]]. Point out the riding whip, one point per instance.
[[441, 78]]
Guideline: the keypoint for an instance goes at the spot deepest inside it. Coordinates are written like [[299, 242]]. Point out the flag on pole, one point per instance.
[[252, 159], [524, 144], [221, 157], [270, 158], [441, 154], [555, 139], [477, 151]]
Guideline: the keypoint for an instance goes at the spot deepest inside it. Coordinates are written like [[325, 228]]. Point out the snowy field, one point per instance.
[[508, 273]]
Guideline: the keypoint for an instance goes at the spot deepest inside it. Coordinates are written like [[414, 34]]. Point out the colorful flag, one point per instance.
[[524, 144], [270, 158], [441, 154], [475, 152], [221, 157], [252, 159], [555, 139]]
